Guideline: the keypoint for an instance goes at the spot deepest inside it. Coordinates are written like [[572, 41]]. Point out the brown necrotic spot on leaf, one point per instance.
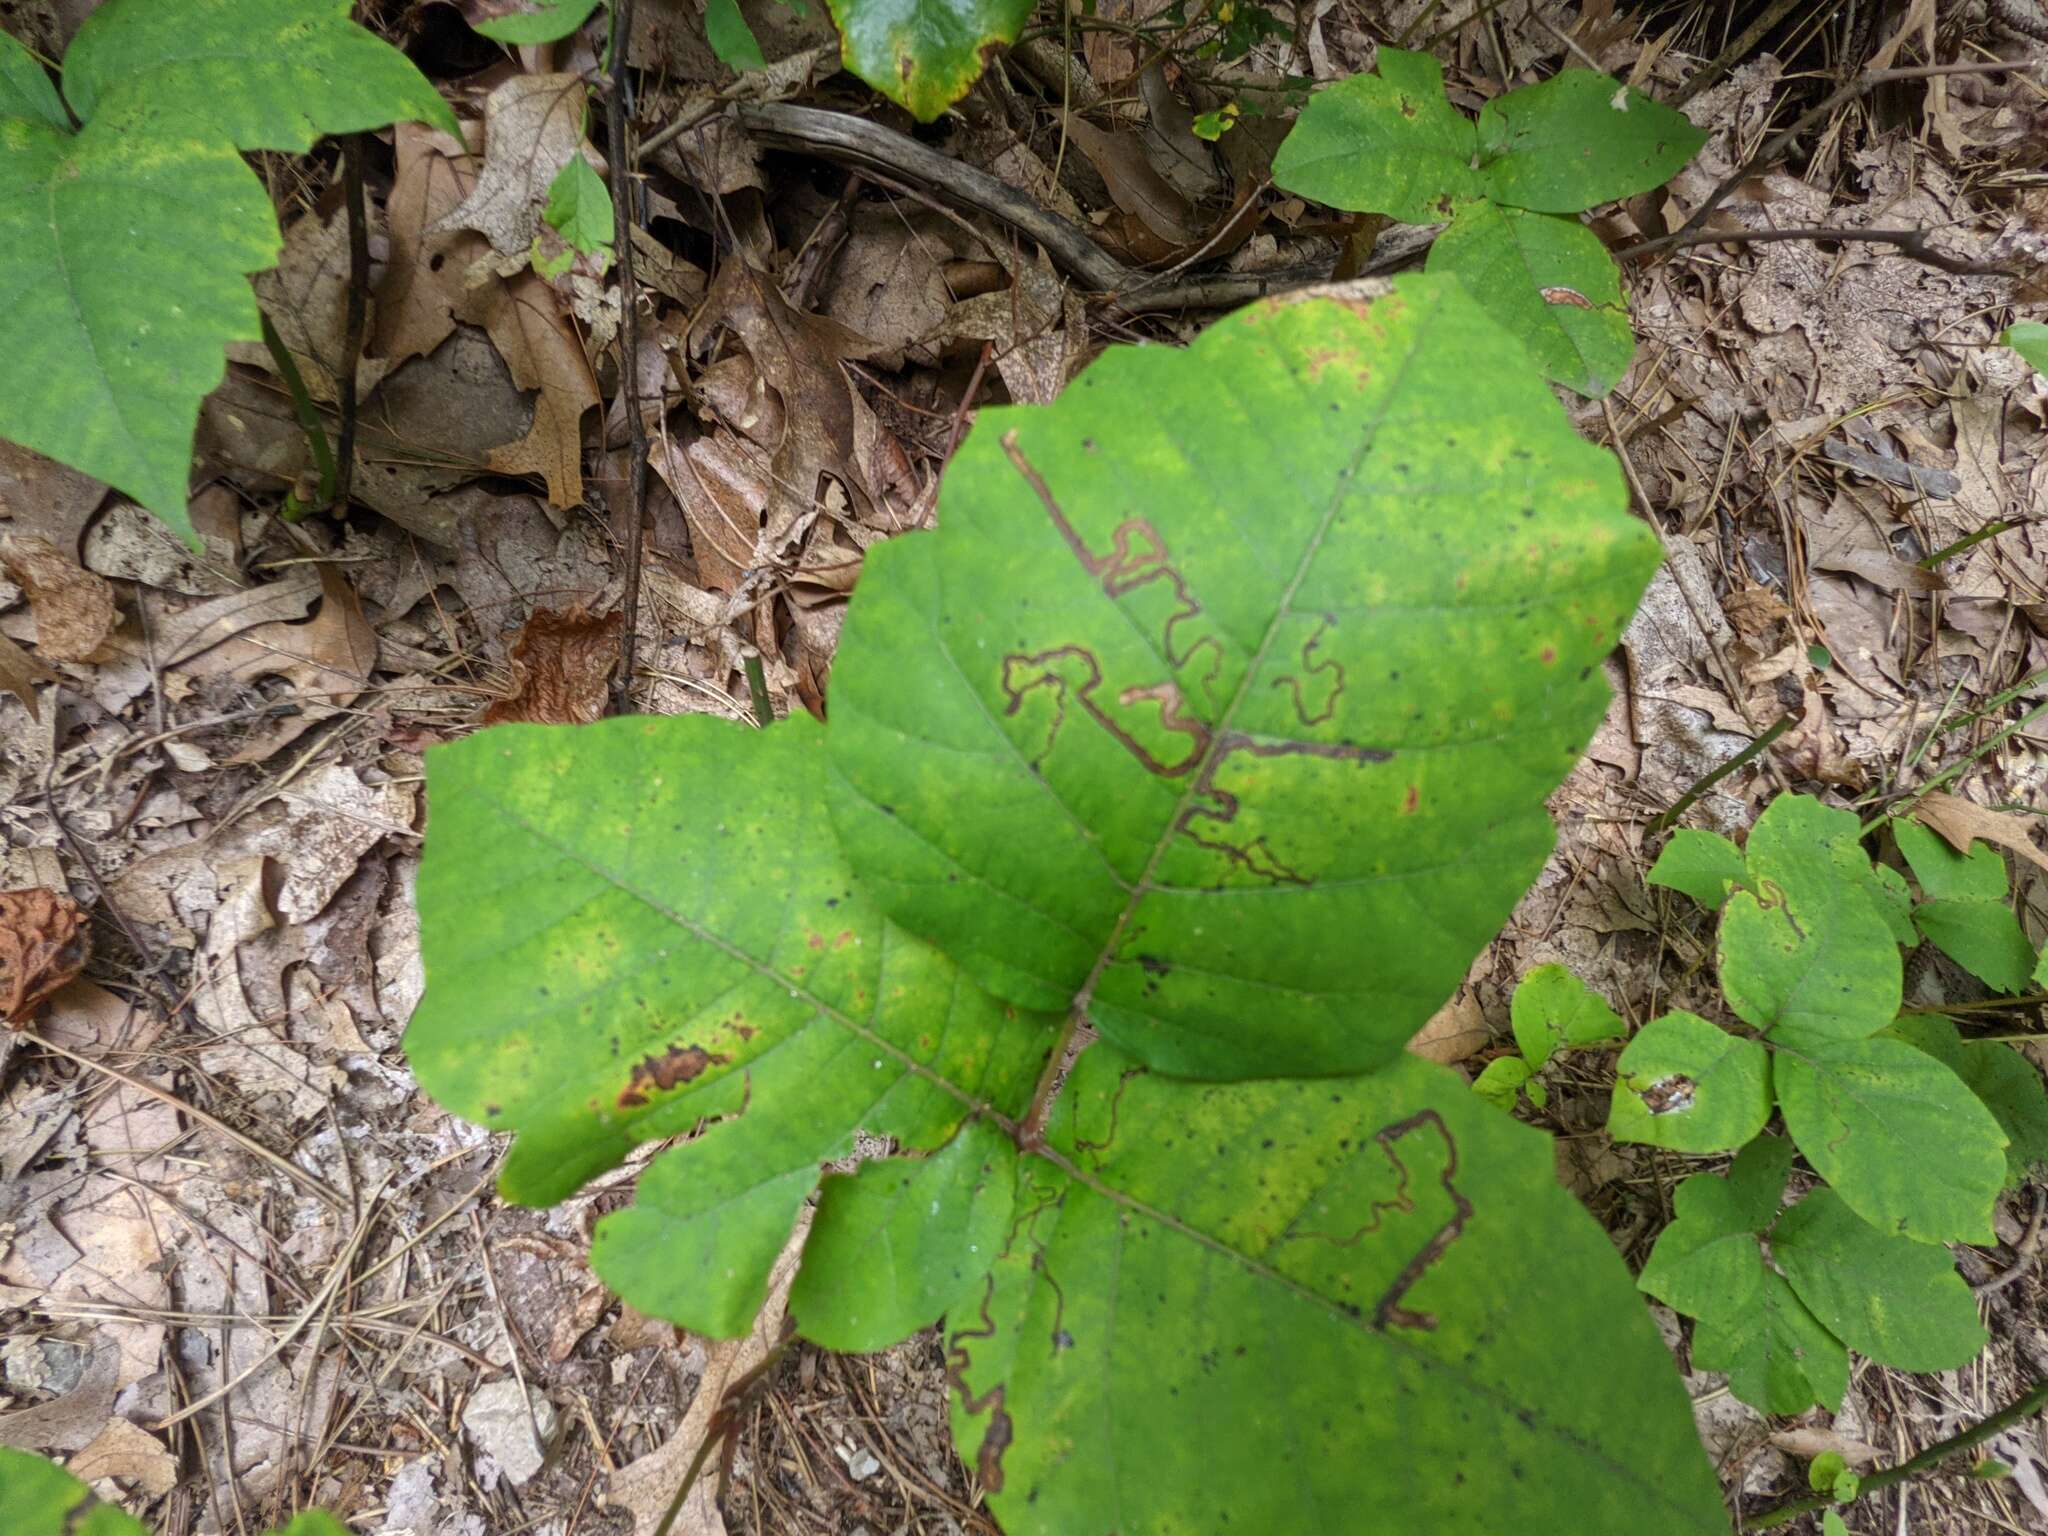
[[43, 945], [678, 1065]]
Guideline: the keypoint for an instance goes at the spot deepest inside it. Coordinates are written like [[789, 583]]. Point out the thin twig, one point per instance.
[[1977, 1434], [312, 1182], [1778, 143], [1748, 754], [358, 315], [1911, 243], [629, 354]]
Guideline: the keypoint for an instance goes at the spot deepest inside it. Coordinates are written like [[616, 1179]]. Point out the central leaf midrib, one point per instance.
[[1220, 731]]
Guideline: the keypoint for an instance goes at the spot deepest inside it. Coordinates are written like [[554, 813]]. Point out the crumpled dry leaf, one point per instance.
[[73, 608], [1136, 186], [562, 664], [533, 126], [44, 942], [646, 1486]]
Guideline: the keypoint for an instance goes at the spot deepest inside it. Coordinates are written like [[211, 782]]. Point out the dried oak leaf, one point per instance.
[[561, 665], [43, 945], [74, 609]]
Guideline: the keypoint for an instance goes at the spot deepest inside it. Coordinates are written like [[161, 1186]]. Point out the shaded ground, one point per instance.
[[215, 1169]]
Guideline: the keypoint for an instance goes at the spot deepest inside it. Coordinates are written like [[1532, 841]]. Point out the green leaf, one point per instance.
[[1689, 1085], [1702, 865], [2030, 339], [1830, 1473], [1501, 1079], [904, 1239], [1384, 143], [924, 54], [580, 207], [312, 1522], [1899, 1302], [1831, 1524], [119, 368], [1551, 285], [548, 21], [261, 74], [731, 38], [1983, 937], [1897, 1134], [1946, 875], [152, 184], [2004, 1081], [1806, 955], [1552, 1007], [1577, 140], [1185, 1336], [25, 88], [602, 971], [1297, 629], [1778, 1356], [1707, 1262], [1390, 143], [1894, 902], [42, 1499]]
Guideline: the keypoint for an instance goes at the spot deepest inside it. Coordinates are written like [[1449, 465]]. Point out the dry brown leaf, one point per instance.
[[131, 1456], [201, 627], [1135, 184], [1453, 1033], [646, 1486], [423, 286], [306, 297], [40, 495], [525, 323], [799, 355], [533, 126], [19, 674], [73, 608], [1959, 821], [562, 664], [44, 942], [721, 484]]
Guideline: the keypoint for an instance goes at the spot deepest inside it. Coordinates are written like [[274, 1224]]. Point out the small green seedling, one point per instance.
[[40, 1498], [1511, 186], [1914, 1129], [1831, 1474], [1552, 1010]]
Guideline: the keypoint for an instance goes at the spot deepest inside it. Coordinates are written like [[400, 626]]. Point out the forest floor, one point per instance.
[[223, 1200]]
